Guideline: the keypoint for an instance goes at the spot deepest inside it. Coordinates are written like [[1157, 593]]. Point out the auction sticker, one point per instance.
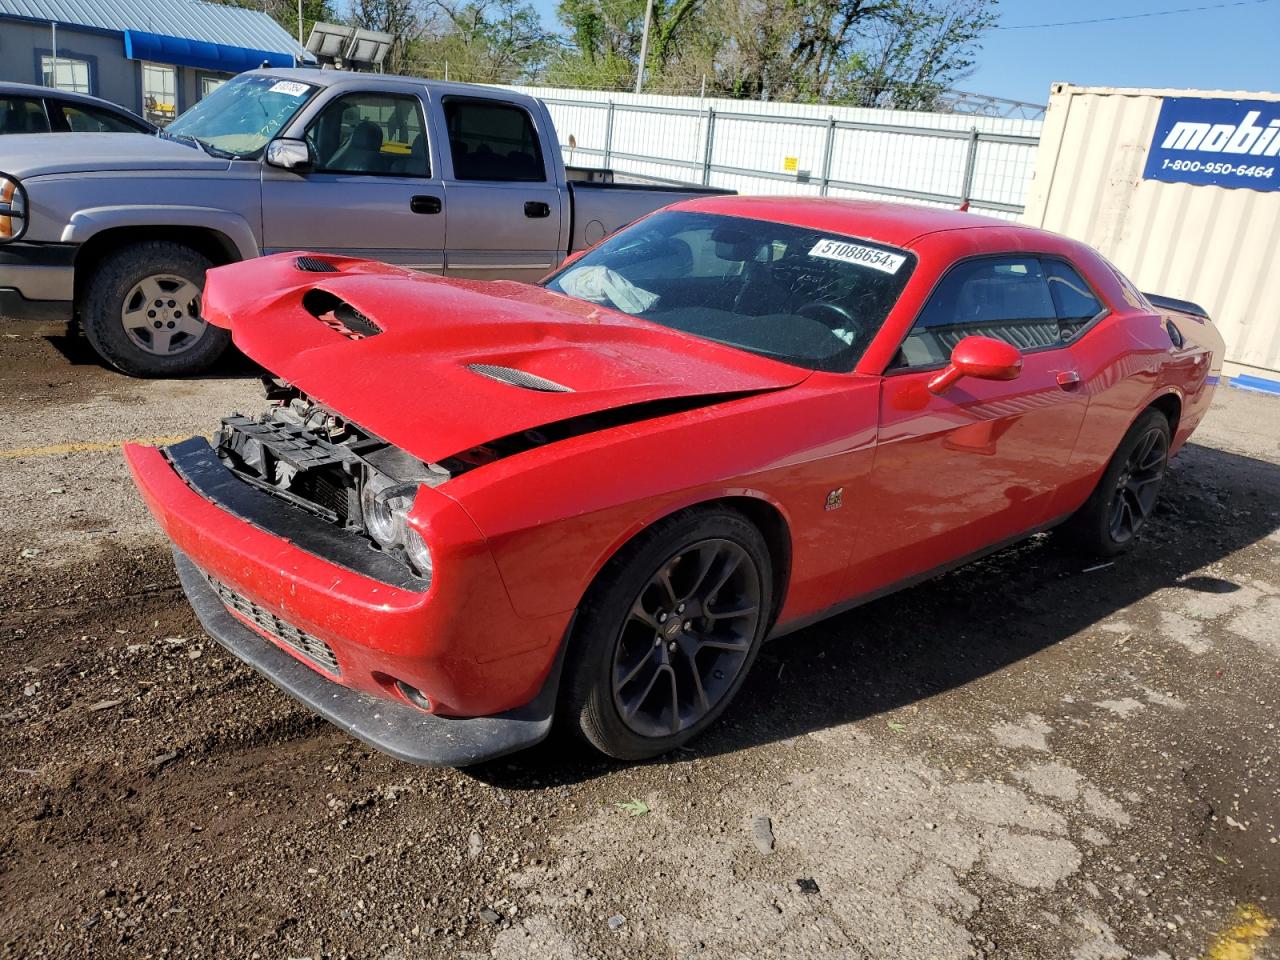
[[846, 252], [290, 88]]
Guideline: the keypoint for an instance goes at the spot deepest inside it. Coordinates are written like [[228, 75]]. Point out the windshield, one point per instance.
[[243, 115], [807, 297]]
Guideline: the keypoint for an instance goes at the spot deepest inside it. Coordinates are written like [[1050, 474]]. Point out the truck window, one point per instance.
[[490, 140], [82, 118], [374, 134], [22, 115]]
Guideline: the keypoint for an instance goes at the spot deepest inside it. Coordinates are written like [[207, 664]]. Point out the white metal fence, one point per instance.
[[937, 159]]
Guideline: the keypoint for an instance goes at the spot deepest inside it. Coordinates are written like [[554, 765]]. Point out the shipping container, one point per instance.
[[1181, 190]]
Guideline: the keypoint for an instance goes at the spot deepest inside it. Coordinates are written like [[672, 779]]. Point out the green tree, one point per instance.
[[898, 53], [487, 41]]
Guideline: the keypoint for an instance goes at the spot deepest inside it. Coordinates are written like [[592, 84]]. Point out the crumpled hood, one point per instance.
[[44, 154], [415, 382]]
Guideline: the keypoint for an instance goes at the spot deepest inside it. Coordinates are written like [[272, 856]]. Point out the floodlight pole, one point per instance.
[[644, 45]]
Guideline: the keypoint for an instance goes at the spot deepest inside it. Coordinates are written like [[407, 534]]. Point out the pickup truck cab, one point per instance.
[[118, 229]]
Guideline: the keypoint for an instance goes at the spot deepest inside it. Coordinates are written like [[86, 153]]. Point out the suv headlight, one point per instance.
[[13, 209]]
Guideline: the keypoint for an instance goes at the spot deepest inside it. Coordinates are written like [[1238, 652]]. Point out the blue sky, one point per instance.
[[1230, 48]]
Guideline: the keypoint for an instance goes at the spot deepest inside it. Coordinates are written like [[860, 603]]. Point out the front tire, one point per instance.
[[1125, 497], [667, 633], [141, 311]]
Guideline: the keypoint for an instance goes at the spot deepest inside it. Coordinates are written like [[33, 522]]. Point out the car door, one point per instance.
[[372, 190], [979, 464], [504, 203]]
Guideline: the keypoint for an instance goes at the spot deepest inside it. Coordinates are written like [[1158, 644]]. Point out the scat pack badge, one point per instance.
[[835, 499]]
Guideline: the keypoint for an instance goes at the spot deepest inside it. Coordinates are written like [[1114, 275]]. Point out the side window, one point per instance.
[[490, 140], [1073, 301], [367, 133], [85, 119], [22, 115], [1006, 298]]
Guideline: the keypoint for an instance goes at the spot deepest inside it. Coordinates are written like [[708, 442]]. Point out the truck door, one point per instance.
[[500, 186], [374, 189]]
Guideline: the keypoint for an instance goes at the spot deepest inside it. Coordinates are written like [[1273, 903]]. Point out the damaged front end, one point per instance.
[[309, 456]]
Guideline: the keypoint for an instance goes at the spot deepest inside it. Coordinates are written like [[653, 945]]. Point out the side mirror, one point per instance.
[[982, 358], [292, 155]]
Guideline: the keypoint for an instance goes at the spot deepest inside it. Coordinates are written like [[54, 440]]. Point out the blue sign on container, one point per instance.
[[1226, 143]]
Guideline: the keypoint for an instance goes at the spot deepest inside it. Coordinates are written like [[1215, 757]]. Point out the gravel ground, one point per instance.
[[1024, 758]]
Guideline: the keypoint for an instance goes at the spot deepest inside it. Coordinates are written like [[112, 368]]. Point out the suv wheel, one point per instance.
[[141, 311]]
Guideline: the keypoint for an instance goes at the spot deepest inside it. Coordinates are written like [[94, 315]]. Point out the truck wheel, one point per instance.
[[666, 635], [141, 311]]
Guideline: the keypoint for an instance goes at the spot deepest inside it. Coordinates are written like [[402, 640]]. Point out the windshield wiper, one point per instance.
[[183, 138], [199, 144], [213, 151]]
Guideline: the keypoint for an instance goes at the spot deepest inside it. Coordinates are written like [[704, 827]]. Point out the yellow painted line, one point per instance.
[[84, 446], [1241, 940]]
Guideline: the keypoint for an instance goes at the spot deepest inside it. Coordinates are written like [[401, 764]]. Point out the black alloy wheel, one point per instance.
[[667, 633], [1138, 485], [686, 638], [1125, 496]]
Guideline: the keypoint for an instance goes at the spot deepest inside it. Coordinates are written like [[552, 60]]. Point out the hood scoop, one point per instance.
[[518, 378], [336, 314], [314, 265]]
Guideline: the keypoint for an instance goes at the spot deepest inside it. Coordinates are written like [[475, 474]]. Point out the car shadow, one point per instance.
[[957, 628], [233, 364]]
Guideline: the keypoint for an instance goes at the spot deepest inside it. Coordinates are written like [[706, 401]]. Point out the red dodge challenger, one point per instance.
[[472, 507]]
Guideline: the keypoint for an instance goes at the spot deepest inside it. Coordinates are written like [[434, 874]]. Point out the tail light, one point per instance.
[[13, 209]]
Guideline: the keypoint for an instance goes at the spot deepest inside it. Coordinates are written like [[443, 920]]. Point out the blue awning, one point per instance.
[[198, 53]]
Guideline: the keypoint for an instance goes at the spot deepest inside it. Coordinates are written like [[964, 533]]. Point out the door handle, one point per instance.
[[1068, 379], [425, 204], [536, 209]]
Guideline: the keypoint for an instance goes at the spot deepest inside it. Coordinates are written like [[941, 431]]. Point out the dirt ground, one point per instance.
[[1024, 759]]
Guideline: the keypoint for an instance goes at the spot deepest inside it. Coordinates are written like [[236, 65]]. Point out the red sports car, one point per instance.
[[472, 507]]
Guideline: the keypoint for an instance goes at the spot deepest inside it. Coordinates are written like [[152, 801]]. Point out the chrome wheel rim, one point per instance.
[[686, 638], [161, 315], [1138, 485]]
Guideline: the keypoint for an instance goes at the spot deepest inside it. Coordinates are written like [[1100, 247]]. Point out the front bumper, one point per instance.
[[337, 615], [400, 730], [37, 281]]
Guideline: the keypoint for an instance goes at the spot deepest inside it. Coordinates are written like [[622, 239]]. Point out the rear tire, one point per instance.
[[666, 634], [1122, 502], [140, 311]]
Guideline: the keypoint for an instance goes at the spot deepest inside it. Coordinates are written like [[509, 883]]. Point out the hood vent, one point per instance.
[[336, 314], [314, 265], [518, 378]]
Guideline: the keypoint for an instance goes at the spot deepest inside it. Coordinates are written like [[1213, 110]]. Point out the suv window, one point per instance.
[[1029, 302], [366, 133], [81, 118], [492, 141], [22, 115]]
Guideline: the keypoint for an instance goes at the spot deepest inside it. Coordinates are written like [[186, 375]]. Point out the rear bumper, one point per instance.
[[340, 636], [397, 729]]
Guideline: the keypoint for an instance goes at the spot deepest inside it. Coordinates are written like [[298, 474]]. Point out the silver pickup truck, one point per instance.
[[117, 229]]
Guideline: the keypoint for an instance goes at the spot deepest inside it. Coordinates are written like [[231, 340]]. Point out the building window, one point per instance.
[[65, 73], [209, 84], [159, 93]]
